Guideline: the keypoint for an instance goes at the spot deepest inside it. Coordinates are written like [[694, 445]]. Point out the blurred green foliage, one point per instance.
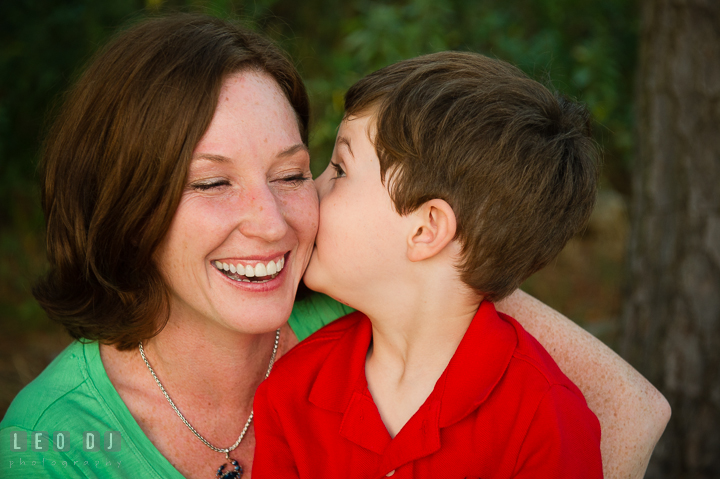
[[42, 45], [585, 49]]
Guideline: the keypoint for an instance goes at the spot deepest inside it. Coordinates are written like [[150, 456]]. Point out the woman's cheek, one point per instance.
[[302, 213]]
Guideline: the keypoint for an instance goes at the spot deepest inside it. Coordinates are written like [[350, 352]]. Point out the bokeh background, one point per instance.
[[586, 49]]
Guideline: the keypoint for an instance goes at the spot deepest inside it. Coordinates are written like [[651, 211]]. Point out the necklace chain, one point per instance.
[[226, 450]]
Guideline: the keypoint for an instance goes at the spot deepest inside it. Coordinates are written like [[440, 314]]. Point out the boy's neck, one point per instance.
[[415, 334]]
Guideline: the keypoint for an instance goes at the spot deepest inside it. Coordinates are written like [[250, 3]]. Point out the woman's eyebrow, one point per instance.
[[213, 158], [293, 149], [224, 159]]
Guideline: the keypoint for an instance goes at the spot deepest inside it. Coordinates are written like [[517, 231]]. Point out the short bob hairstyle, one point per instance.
[[116, 160], [516, 162]]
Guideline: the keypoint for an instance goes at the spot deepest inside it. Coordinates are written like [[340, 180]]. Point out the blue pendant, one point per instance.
[[236, 473]]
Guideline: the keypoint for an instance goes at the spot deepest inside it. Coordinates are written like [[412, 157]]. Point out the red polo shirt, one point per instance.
[[502, 408]]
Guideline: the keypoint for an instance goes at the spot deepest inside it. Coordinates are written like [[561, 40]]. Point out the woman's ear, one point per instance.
[[434, 228]]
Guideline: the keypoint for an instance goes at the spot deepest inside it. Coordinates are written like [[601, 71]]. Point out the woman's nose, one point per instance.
[[262, 216]]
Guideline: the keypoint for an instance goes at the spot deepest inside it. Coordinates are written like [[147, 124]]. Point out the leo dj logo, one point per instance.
[[39, 441]]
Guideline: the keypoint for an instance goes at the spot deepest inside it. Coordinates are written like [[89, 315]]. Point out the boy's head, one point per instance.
[[515, 162]]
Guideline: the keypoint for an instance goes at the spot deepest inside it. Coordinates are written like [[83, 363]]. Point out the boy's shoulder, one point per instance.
[[323, 339], [308, 356], [534, 363], [548, 410]]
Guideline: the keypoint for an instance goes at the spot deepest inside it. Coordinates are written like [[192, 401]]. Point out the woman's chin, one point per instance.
[[262, 320]]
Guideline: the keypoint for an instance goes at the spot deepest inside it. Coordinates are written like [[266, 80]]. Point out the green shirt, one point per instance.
[[73, 405]]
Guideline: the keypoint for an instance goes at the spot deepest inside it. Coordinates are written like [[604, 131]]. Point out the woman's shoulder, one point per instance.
[[313, 312], [54, 392], [73, 403]]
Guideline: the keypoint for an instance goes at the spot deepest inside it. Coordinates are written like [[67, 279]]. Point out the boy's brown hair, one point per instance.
[[115, 165], [516, 162]]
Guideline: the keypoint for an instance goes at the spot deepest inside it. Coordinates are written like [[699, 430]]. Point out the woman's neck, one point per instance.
[[209, 363]]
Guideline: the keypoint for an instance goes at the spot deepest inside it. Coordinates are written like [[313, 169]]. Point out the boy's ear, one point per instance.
[[433, 229]]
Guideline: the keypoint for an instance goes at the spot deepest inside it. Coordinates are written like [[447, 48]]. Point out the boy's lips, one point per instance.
[[251, 271]]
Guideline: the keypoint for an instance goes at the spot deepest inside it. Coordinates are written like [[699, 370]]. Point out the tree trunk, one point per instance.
[[671, 319]]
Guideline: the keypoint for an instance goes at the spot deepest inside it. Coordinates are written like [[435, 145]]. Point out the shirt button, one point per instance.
[[390, 473]]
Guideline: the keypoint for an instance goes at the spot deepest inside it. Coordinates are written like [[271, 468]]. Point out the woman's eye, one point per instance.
[[294, 180], [207, 185], [339, 172]]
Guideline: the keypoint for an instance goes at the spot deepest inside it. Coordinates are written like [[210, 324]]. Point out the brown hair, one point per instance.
[[116, 160], [515, 162]]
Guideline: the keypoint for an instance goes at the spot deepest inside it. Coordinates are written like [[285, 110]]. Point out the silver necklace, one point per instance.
[[237, 471]]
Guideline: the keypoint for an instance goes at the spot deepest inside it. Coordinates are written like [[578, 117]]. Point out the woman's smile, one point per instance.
[[257, 271], [256, 275]]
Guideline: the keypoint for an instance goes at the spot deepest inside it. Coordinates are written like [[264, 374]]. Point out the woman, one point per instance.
[[181, 215]]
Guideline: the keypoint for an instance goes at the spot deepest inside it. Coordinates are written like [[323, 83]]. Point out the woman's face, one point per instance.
[[244, 230]]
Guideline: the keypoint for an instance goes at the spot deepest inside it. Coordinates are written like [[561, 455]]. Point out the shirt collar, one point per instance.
[[475, 369], [478, 364], [343, 372]]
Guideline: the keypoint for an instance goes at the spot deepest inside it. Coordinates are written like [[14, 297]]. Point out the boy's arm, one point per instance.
[[273, 457], [632, 413]]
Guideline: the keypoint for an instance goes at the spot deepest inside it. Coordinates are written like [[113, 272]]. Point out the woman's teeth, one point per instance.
[[261, 272]]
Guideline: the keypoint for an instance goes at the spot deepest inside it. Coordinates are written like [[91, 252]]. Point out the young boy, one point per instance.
[[454, 178]]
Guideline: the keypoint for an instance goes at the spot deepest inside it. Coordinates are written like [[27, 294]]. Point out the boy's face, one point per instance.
[[361, 242]]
